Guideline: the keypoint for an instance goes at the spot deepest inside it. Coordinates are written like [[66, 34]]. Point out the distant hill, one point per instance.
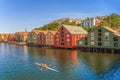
[[54, 25]]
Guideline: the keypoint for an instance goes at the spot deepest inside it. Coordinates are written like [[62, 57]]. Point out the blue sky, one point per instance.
[[16, 15]]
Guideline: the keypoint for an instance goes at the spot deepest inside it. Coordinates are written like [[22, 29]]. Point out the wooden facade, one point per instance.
[[42, 38], [101, 39], [11, 38], [67, 35], [21, 36], [6, 37], [33, 38], [17, 36], [50, 38], [1, 37]]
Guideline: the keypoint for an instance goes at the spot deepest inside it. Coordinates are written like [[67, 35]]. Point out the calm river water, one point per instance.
[[18, 63]]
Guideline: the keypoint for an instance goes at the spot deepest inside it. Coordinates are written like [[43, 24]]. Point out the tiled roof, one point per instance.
[[75, 29], [23, 33]]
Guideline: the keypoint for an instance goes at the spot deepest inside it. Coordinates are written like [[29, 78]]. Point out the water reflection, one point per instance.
[[17, 63]]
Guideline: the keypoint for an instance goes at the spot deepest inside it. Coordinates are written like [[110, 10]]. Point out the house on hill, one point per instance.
[[101, 39], [67, 36]]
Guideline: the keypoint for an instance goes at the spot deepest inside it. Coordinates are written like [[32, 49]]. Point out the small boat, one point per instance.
[[44, 66]]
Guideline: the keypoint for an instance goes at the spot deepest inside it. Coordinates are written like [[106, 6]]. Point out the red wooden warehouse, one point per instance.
[[42, 38], [67, 36], [11, 38]]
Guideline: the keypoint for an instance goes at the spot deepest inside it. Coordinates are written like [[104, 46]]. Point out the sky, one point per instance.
[[16, 15]]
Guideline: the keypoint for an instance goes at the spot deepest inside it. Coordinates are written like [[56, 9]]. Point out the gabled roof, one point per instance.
[[53, 32], [114, 31], [44, 32], [22, 33], [75, 29], [36, 31]]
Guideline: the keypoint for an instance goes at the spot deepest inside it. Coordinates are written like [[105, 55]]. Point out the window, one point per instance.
[[99, 30], [106, 33], [106, 37], [92, 43], [68, 40], [57, 35], [62, 32], [99, 34], [57, 39], [92, 34], [86, 43], [62, 36], [80, 42], [99, 44], [115, 44], [68, 35], [115, 38], [62, 43], [106, 44], [99, 38], [86, 39], [92, 38]]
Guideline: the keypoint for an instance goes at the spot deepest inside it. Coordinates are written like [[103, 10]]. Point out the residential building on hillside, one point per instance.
[[50, 38], [90, 22], [101, 39], [67, 35]]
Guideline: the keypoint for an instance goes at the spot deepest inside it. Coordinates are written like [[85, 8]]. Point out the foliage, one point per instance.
[[56, 24], [112, 21]]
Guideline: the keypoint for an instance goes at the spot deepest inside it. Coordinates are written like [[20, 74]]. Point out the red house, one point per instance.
[[42, 38], [67, 36], [11, 38]]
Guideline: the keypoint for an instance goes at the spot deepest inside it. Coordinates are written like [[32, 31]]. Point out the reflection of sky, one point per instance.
[[72, 65]]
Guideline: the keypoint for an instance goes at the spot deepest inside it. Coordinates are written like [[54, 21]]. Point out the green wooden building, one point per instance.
[[101, 39]]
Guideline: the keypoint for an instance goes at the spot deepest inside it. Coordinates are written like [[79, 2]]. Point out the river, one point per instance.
[[18, 63]]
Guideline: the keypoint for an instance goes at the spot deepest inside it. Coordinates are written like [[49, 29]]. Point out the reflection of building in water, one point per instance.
[[74, 57], [25, 50], [49, 53], [113, 72], [99, 61]]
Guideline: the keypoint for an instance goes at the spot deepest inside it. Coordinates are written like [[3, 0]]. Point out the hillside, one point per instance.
[[54, 25]]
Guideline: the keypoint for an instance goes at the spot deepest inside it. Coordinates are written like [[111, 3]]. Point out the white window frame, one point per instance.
[[92, 43], [107, 44]]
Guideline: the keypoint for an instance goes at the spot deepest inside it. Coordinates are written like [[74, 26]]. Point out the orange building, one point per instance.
[[50, 38], [1, 37], [5, 37], [67, 36], [21, 36]]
